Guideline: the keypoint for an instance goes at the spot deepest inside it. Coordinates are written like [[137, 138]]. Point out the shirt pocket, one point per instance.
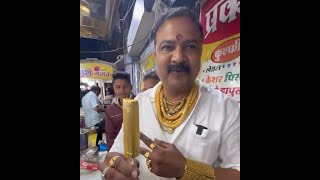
[[204, 146]]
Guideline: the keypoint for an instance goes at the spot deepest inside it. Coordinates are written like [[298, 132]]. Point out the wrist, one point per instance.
[[182, 169]]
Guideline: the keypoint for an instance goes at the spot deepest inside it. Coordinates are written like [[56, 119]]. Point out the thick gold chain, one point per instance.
[[171, 122]]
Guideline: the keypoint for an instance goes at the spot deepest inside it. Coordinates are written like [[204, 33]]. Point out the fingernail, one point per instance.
[[134, 174]]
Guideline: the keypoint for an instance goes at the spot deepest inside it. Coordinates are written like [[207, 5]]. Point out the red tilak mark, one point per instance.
[[179, 37]]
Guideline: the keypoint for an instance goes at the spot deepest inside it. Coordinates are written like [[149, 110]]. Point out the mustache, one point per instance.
[[178, 68]]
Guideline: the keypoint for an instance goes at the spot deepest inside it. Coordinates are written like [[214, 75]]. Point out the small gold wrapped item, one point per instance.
[[131, 133]]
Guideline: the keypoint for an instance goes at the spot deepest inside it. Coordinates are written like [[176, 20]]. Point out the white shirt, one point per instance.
[[89, 102], [219, 113]]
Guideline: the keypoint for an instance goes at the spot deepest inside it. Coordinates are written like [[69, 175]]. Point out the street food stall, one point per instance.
[[92, 72], [96, 72]]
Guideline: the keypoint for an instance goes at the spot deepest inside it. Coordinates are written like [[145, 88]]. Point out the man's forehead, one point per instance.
[[150, 79], [177, 40], [179, 37], [175, 22], [173, 30], [164, 35], [120, 81]]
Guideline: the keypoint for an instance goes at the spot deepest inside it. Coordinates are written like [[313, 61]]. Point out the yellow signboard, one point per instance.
[[96, 71], [148, 65]]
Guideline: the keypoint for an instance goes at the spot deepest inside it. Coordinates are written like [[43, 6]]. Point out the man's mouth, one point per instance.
[[178, 68]]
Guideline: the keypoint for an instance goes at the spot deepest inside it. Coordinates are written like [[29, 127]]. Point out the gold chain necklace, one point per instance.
[[176, 103], [175, 109], [171, 122]]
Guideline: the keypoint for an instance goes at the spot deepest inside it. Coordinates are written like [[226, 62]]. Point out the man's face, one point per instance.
[[178, 52], [122, 88], [149, 83]]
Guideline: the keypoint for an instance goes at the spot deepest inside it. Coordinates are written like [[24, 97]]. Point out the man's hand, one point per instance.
[[99, 109], [164, 159], [121, 168]]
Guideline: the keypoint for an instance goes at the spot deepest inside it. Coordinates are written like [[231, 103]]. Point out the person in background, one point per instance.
[[113, 119], [94, 112], [81, 97], [150, 80], [188, 131], [92, 107], [109, 89], [82, 93]]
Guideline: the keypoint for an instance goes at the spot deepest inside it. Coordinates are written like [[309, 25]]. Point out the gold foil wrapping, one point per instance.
[[131, 133], [198, 170]]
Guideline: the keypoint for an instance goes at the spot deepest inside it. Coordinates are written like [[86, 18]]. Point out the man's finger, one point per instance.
[[115, 174], [143, 151], [162, 143], [127, 169], [145, 139], [136, 162]]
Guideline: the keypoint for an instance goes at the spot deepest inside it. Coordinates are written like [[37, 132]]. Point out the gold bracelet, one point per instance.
[[198, 170]]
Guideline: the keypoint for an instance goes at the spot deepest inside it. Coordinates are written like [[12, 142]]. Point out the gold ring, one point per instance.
[[147, 154], [149, 163], [152, 146], [112, 161]]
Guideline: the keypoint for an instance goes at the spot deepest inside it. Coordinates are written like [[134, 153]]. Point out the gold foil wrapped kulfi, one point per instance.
[[131, 133]]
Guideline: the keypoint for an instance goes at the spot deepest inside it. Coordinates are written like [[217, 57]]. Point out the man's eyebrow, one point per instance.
[[191, 41], [167, 42]]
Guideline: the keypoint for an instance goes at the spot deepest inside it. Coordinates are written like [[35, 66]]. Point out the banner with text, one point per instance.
[[96, 71], [220, 61]]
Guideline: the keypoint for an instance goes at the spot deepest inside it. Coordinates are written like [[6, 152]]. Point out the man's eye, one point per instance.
[[191, 46], [166, 48]]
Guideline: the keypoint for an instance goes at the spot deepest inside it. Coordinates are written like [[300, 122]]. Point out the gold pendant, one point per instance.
[[169, 130]]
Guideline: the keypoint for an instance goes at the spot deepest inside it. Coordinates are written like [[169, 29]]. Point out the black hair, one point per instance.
[[95, 89], [151, 75], [176, 12], [121, 75]]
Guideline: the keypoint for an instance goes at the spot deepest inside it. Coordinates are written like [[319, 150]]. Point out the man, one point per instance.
[[113, 120], [150, 80], [109, 89], [93, 111], [187, 130]]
